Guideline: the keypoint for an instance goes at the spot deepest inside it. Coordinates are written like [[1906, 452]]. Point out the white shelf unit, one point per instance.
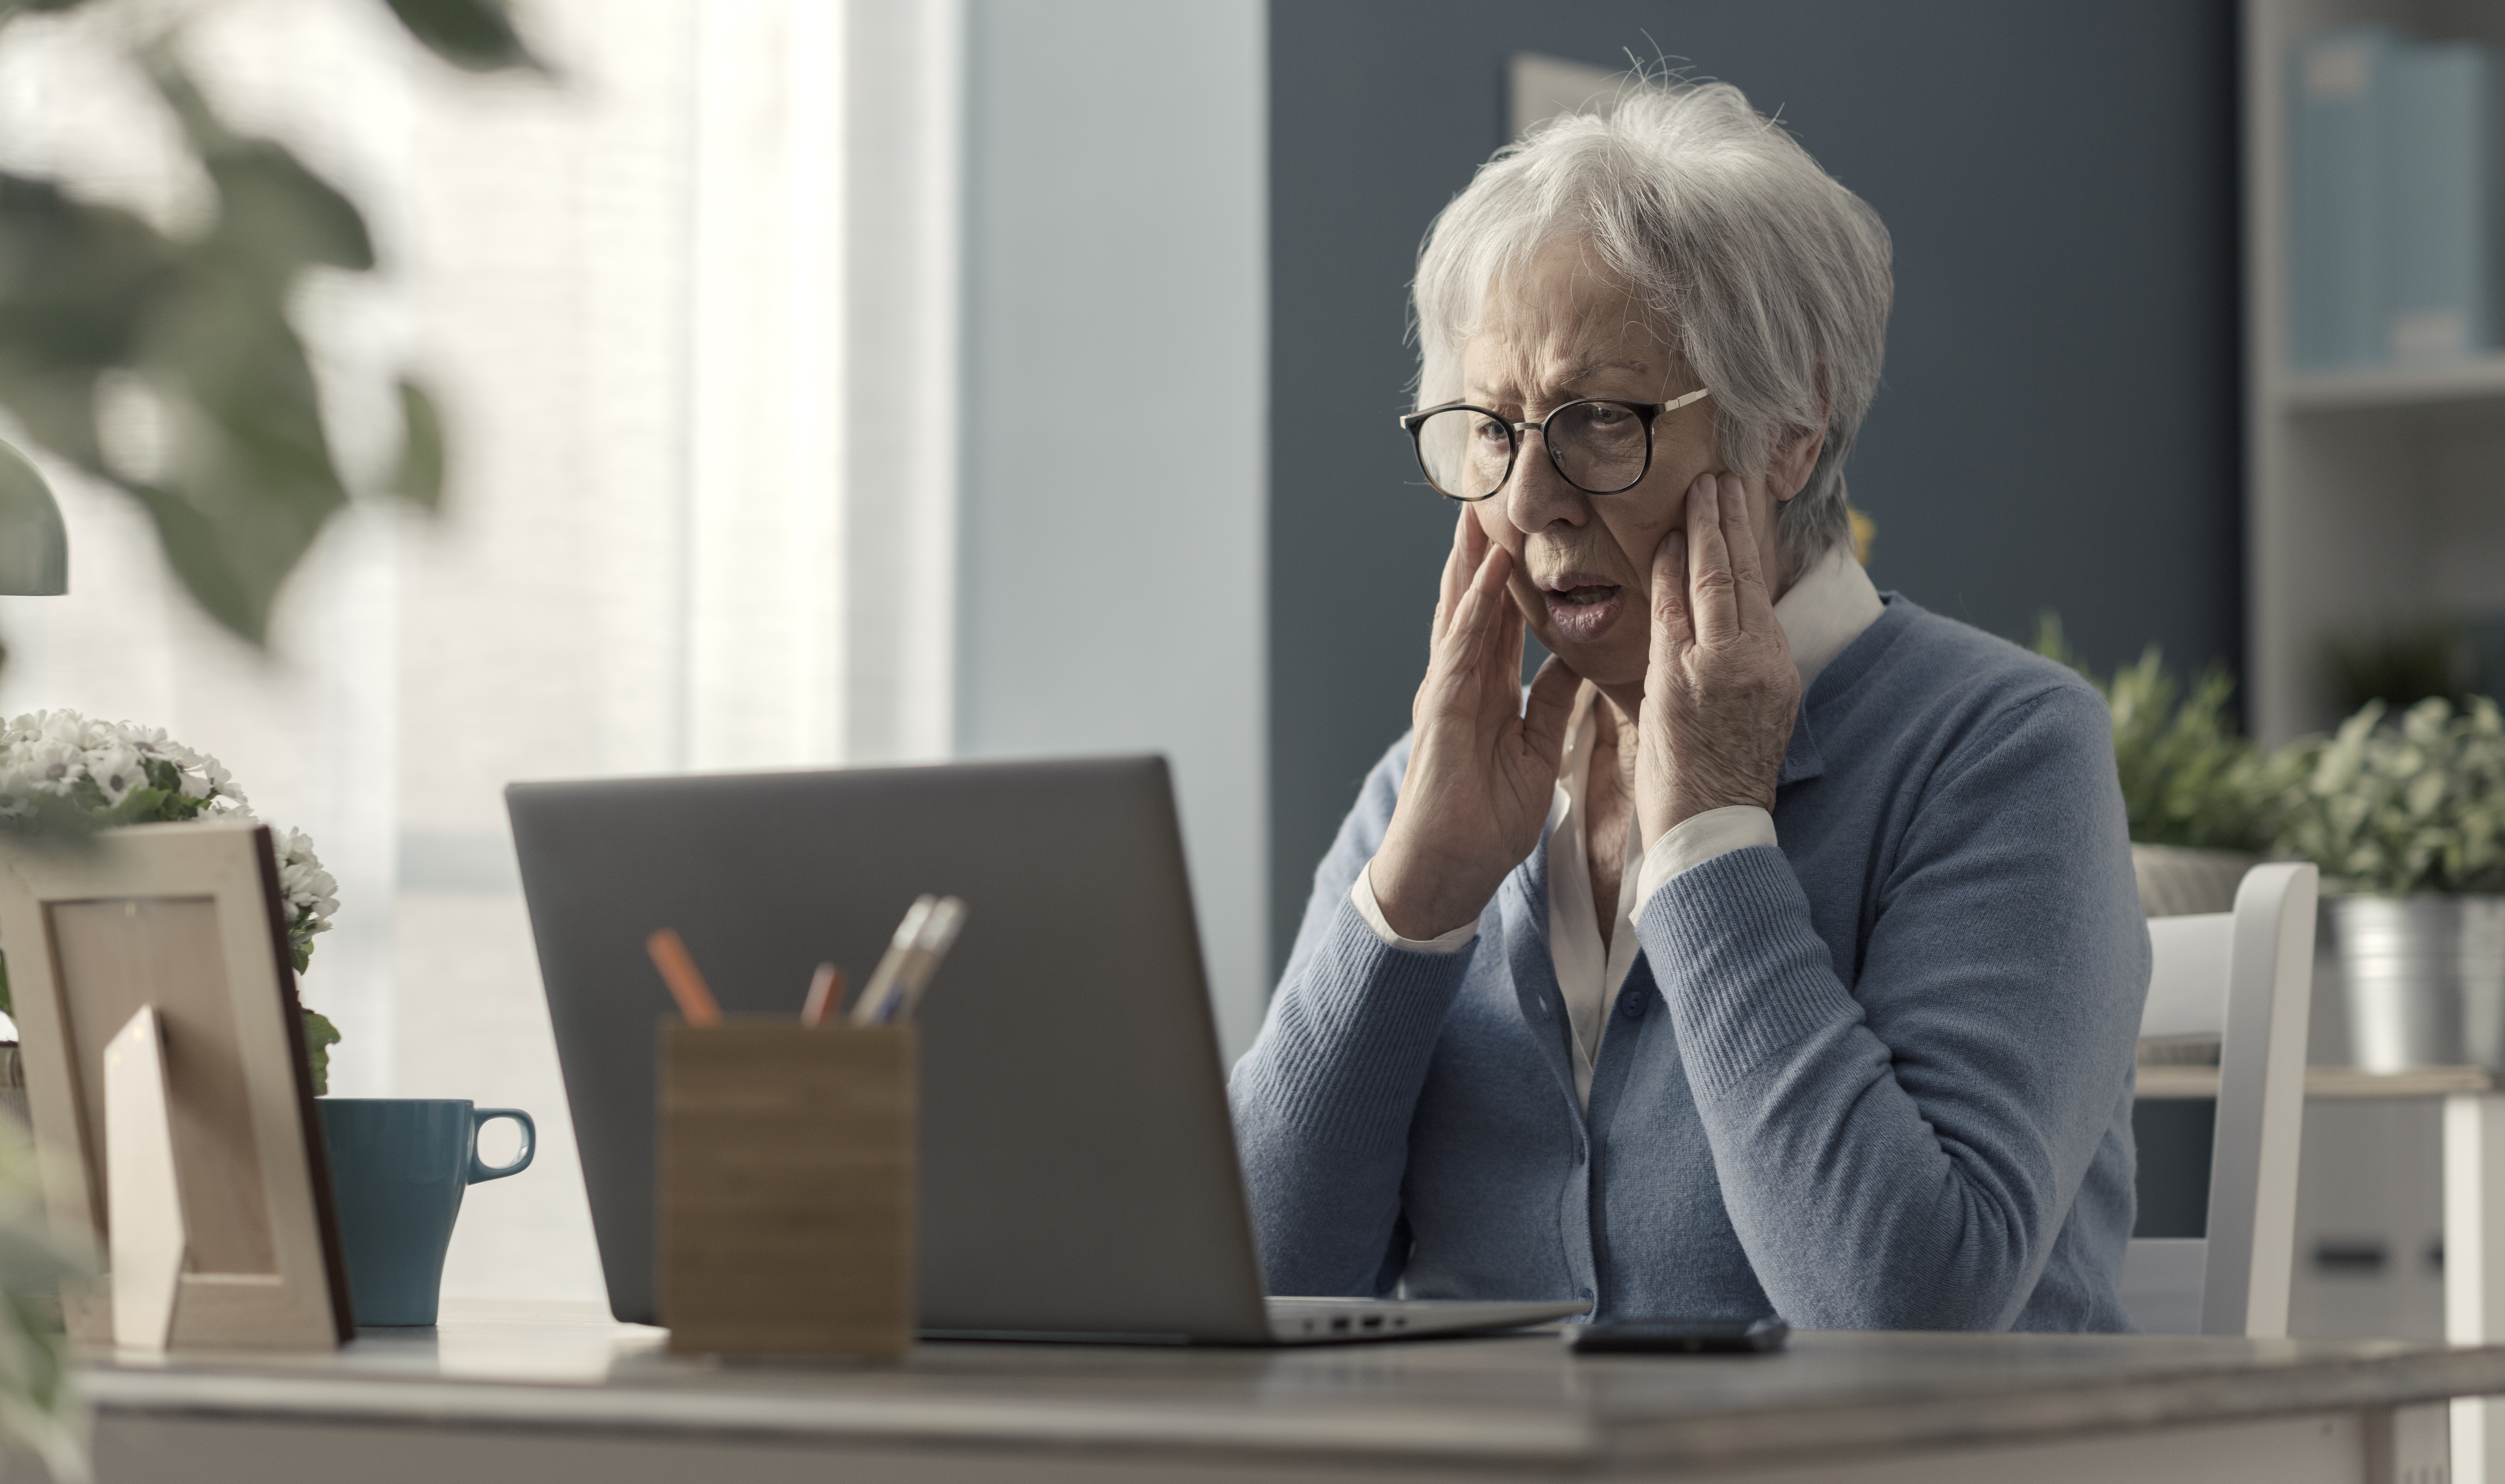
[[2373, 497]]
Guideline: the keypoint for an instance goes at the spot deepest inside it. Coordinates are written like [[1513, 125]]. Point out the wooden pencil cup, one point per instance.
[[787, 1188]]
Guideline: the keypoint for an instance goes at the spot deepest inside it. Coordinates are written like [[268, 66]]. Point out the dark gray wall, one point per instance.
[[2058, 425]]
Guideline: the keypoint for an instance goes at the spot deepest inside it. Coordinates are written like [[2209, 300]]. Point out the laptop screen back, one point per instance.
[[1078, 1168]]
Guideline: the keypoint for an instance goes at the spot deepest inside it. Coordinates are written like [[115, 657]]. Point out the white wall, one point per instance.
[[1114, 510]]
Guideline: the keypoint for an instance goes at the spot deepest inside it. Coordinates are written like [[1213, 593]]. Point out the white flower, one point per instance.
[[52, 765], [55, 751], [115, 768], [306, 886], [52, 752]]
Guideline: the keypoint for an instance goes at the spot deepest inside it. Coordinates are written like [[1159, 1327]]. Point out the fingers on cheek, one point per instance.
[[1669, 603]]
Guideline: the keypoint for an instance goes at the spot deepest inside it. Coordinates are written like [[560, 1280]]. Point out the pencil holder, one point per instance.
[[787, 1188]]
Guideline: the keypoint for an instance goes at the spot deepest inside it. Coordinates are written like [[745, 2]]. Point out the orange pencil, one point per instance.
[[826, 992], [678, 971]]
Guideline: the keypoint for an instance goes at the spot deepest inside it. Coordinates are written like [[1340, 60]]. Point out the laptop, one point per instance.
[[1078, 1177]]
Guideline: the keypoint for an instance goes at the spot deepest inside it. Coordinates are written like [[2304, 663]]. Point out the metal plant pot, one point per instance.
[[2425, 980]]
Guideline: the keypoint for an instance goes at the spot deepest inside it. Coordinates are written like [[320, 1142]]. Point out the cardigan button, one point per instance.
[[1631, 1004]]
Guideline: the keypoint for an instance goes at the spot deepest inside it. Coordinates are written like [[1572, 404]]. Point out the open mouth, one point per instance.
[[1580, 605]]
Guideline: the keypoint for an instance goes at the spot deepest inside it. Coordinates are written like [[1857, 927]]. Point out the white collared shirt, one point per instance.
[[1821, 614]]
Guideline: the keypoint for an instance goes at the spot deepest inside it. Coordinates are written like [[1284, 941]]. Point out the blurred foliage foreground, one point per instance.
[[106, 317], [189, 333]]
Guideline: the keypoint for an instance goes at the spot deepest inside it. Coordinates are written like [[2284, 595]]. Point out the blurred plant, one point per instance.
[[191, 332], [2189, 777], [97, 305], [2413, 808], [40, 1405], [61, 773], [2402, 665]]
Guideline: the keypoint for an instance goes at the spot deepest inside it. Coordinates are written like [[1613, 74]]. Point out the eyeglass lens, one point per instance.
[[1600, 446]]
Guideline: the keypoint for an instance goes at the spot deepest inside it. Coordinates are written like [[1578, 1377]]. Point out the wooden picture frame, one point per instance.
[[187, 918]]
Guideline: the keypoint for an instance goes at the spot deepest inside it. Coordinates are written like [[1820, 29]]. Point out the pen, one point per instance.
[[871, 1008], [938, 936], [826, 992], [678, 971]]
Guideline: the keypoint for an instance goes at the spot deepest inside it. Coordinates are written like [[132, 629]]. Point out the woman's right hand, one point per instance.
[[1482, 763]]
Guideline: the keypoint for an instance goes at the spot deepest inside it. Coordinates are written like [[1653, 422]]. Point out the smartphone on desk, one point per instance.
[[1679, 1336]]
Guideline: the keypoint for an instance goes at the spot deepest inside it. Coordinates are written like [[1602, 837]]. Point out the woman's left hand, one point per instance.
[[1720, 690]]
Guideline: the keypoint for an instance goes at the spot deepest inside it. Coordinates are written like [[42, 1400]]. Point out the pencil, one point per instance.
[[826, 992], [678, 971]]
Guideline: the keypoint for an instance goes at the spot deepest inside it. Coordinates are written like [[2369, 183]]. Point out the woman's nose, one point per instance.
[[1537, 496]]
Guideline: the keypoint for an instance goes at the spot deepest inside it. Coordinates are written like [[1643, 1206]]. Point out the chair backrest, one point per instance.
[[2246, 976]]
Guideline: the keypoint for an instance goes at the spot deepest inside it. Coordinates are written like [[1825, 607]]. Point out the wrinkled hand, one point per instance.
[[1482, 763], [1720, 690]]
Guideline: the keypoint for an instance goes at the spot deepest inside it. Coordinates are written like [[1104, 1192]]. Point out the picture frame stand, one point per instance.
[[148, 1241], [164, 1058]]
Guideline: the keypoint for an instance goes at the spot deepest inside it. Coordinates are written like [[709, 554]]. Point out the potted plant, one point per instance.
[[2406, 817], [61, 773], [2201, 799]]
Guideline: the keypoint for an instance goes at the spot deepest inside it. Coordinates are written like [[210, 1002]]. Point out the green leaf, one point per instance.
[[419, 477], [196, 549], [474, 35], [78, 284], [9, 10], [251, 479], [319, 1036], [274, 214], [137, 807], [281, 214]]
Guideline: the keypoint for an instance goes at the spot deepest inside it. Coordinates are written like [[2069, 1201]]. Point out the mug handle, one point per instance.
[[480, 1118]]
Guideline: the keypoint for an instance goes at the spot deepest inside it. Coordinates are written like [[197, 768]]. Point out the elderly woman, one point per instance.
[[1779, 949]]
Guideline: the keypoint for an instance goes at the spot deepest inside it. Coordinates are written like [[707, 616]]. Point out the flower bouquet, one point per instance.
[[61, 771]]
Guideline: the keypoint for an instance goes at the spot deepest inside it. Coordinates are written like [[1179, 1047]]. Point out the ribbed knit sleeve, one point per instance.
[[1322, 1101], [1901, 1151]]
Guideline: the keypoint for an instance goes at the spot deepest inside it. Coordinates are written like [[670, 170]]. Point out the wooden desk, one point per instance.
[[538, 1394]]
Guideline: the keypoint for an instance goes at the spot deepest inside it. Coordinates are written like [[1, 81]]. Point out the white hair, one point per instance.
[[1770, 279]]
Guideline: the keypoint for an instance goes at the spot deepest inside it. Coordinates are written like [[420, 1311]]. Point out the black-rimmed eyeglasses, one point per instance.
[[1601, 444]]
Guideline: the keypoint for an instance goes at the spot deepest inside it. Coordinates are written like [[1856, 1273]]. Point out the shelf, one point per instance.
[[2394, 387], [2343, 1083]]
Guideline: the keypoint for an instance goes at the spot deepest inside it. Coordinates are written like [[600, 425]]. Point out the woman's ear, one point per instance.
[[1793, 461]]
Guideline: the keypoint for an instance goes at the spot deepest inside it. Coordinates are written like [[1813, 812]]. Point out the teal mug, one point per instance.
[[397, 1170]]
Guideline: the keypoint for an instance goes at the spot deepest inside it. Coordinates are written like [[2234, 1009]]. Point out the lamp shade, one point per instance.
[[34, 544]]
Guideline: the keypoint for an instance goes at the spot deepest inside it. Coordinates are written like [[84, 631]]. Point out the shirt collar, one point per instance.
[[1826, 610]]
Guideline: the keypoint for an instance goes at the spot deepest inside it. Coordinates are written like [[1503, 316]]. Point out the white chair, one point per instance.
[[2246, 976]]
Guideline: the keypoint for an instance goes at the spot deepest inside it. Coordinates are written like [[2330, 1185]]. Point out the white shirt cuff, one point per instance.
[[1695, 840], [1363, 895]]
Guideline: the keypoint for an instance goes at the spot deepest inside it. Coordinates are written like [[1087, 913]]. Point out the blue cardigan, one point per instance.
[[1877, 1077]]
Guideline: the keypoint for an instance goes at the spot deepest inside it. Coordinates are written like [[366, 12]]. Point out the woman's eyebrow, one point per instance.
[[1495, 391], [1589, 370]]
